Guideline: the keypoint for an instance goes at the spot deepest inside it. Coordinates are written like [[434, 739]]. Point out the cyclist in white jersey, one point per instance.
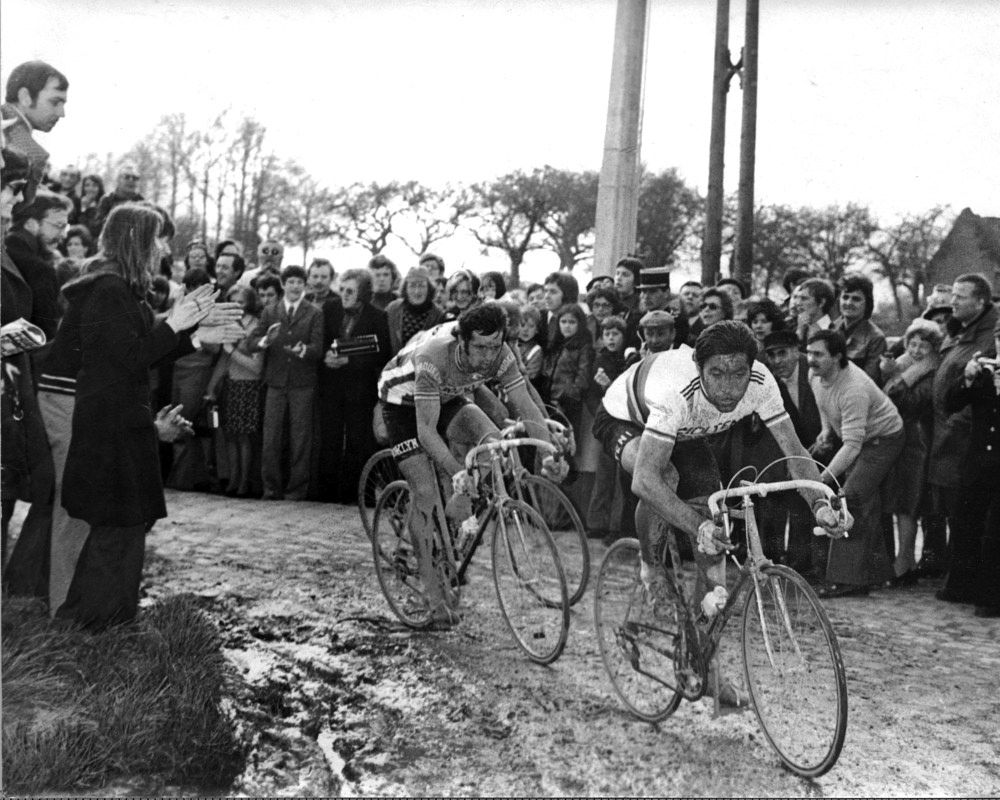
[[655, 419], [424, 392]]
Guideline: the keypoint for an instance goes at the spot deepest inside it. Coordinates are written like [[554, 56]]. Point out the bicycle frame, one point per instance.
[[497, 451], [750, 571]]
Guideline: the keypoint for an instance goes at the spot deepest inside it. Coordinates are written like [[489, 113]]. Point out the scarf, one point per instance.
[[414, 317]]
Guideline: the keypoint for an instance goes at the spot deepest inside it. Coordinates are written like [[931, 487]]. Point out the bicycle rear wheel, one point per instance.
[[378, 472], [794, 672], [530, 583], [396, 565], [566, 528], [637, 649]]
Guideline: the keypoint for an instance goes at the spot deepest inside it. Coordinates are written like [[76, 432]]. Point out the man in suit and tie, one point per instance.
[[290, 333], [805, 553]]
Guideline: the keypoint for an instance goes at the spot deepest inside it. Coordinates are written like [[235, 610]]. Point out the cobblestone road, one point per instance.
[[464, 713]]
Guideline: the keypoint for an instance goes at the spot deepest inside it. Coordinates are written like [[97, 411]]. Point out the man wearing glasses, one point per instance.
[[126, 191], [38, 228], [270, 254]]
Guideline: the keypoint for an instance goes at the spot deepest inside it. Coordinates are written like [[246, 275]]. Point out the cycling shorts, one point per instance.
[[401, 424], [699, 466], [613, 433]]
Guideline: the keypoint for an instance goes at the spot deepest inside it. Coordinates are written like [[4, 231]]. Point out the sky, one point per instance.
[[890, 104]]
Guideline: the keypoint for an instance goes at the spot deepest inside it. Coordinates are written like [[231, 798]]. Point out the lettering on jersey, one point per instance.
[[405, 448]]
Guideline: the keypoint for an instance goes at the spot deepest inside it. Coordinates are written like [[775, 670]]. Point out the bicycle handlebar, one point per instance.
[[504, 445], [514, 427], [837, 501]]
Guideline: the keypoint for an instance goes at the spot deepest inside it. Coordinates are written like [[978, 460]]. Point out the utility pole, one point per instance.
[[711, 246], [618, 189], [743, 268]]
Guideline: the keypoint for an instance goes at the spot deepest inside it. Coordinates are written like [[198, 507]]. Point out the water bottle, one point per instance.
[[467, 532], [713, 602]]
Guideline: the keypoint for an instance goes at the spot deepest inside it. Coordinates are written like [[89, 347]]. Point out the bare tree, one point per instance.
[[368, 213], [670, 213], [903, 251], [249, 165], [780, 243], [837, 237], [429, 216], [506, 214], [570, 212], [300, 209]]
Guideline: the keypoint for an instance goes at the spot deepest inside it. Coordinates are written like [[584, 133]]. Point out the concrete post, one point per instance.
[[618, 190], [743, 268], [711, 246]]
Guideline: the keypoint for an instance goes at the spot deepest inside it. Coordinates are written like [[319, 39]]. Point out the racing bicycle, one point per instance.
[[793, 670], [544, 496], [527, 571]]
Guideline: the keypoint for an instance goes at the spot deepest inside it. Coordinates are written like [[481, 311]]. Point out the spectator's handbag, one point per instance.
[[365, 345]]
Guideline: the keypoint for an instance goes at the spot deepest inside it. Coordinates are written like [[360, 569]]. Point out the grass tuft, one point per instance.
[[136, 701]]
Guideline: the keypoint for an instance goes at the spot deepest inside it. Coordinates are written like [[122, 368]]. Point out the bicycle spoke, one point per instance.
[[396, 557], [530, 585], [637, 649], [794, 672], [566, 528], [378, 472]]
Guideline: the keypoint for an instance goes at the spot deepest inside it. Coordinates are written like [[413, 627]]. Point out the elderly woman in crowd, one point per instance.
[[908, 381], [414, 311], [348, 387], [461, 292]]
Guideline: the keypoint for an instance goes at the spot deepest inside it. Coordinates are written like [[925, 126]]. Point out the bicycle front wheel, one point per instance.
[[637, 649], [794, 672], [530, 583], [396, 557], [566, 527], [378, 472]]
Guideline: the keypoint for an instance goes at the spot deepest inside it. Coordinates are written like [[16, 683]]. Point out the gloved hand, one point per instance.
[[831, 523], [462, 482], [555, 470], [711, 538]]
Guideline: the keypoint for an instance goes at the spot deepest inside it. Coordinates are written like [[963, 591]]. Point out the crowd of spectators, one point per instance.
[[284, 409]]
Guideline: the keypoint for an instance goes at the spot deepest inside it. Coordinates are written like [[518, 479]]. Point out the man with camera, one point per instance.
[[975, 566], [974, 317]]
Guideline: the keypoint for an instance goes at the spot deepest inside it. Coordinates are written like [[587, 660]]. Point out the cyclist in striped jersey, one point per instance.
[[427, 392]]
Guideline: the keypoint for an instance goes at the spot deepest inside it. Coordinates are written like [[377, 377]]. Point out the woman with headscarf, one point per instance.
[[414, 310]]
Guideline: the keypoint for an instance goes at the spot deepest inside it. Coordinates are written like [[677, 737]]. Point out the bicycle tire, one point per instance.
[[628, 636], [378, 472], [530, 583], [396, 565], [798, 685], [566, 527]]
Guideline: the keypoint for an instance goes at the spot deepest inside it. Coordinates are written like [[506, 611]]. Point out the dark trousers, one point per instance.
[[105, 586], [346, 437], [974, 565], [861, 558], [297, 405]]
